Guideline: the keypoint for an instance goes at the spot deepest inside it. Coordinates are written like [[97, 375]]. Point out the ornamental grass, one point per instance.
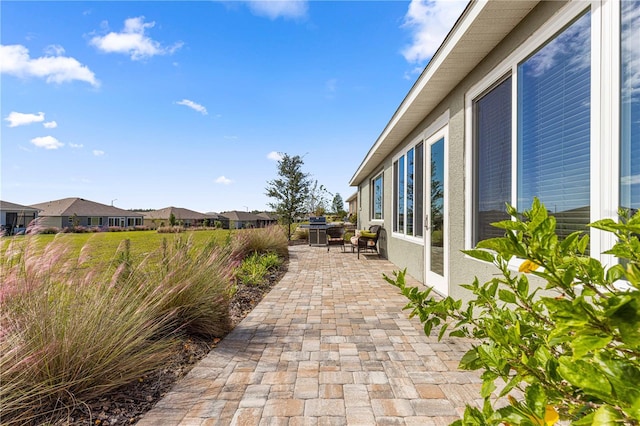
[[271, 239], [71, 332]]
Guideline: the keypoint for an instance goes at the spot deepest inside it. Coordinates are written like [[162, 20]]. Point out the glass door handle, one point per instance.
[[426, 222]]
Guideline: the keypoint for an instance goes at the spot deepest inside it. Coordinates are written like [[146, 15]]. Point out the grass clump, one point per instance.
[[272, 239], [70, 334]]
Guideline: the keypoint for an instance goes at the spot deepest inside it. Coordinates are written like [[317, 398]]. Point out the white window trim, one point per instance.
[[441, 133], [438, 125], [605, 114], [405, 150], [371, 210]]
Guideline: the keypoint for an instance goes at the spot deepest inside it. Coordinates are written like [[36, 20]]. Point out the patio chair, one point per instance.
[[335, 236], [366, 240]]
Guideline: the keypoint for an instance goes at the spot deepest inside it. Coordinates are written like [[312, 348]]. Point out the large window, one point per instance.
[[492, 148], [408, 191], [95, 221], [552, 137], [377, 198], [630, 105], [554, 127]]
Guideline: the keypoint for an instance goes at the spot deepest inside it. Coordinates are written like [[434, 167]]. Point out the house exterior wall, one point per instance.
[[50, 221], [459, 268]]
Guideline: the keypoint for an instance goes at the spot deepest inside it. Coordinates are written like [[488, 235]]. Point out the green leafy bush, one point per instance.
[[254, 268], [573, 349]]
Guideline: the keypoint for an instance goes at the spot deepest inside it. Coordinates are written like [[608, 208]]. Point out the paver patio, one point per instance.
[[329, 345]]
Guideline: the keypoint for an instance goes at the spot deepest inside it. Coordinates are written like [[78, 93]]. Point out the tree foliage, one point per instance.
[[290, 190], [337, 204], [573, 351], [317, 199]]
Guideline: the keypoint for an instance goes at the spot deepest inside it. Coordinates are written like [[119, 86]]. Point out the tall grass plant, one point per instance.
[[70, 334]]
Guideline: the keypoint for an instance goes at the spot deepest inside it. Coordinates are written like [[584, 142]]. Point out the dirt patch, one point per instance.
[[128, 404]]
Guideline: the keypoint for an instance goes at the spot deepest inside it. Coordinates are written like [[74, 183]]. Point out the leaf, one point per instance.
[[471, 360], [488, 386], [442, 331], [480, 255], [536, 399], [615, 273], [606, 415], [585, 376], [583, 344], [506, 296]]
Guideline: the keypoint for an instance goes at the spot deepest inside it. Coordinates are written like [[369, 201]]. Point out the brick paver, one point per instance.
[[329, 345]]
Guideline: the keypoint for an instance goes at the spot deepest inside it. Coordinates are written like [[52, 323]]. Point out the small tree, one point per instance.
[[575, 356], [290, 190], [172, 219], [338, 205]]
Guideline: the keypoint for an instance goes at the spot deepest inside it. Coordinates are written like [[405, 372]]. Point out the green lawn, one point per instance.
[[101, 247]]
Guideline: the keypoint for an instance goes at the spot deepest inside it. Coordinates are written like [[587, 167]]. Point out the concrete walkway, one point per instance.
[[329, 345]]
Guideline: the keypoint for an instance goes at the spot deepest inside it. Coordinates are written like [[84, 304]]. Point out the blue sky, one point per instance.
[[155, 104]]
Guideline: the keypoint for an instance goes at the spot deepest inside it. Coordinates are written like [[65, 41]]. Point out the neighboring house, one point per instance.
[[240, 220], [522, 99], [352, 201], [267, 219], [215, 217], [69, 212], [15, 217], [183, 217]]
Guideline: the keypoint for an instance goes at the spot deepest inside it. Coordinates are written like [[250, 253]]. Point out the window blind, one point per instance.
[[554, 92]]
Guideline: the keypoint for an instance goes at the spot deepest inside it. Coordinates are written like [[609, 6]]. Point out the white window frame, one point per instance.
[[605, 114], [372, 198], [437, 125], [405, 151]]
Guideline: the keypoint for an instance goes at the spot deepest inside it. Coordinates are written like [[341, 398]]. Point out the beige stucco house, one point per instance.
[[69, 212]]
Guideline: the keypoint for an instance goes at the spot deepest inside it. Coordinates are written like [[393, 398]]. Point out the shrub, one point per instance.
[[301, 234], [170, 229], [271, 261], [254, 268], [575, 351]]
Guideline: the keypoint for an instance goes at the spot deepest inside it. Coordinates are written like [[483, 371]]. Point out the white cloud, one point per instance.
[[98, 152], [16, 119], [279, 8], [54, 50], [429, 21], [274, 155], [194, 106], [47, 142], [15, 60], [223, 180], [50, 124], [630, 35], [76, 145], [569, 47], [410, 75], [133, 41]]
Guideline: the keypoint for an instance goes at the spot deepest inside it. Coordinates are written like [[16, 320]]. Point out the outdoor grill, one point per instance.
[[317, 231]]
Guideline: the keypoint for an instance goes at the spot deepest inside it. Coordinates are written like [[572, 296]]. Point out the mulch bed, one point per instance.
[[128, 404]]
